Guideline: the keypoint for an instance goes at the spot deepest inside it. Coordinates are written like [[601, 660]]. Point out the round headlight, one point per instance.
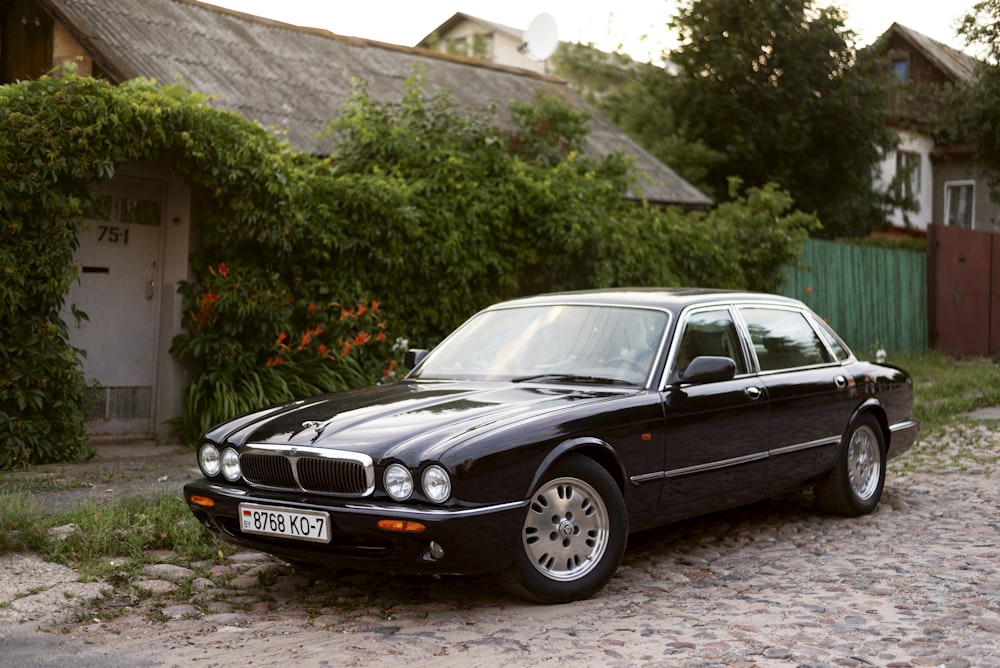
[[398, 482], [436, 484], [209, 461], [230, 465]]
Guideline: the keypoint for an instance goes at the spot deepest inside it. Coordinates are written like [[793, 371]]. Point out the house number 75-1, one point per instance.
[[112, 234]]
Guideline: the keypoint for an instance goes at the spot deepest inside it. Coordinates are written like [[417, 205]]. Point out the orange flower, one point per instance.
[[347, 349], [388, 370], [362, 338], [312, 306], [809, 290], [380, 336], [322, 350], [361, 309], [273, 361], [223, 269], [375, 304]]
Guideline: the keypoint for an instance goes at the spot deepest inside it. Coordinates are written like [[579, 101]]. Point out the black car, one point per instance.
[[544, 430]]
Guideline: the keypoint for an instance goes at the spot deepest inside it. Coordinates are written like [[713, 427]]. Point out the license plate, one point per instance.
[[291, 523]]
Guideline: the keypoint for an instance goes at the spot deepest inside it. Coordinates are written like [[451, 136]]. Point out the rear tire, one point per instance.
[[573, 538], [854, 487]]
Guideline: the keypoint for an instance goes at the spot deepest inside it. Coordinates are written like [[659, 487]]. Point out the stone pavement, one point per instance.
[[774, 584]]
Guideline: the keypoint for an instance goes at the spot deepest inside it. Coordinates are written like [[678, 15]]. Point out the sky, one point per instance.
[[638, 26]]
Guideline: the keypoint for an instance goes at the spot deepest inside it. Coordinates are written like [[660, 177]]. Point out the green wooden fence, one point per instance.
[[874, 297]]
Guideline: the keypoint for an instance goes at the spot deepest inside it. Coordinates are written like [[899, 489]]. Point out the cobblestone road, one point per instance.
[[775, 584]]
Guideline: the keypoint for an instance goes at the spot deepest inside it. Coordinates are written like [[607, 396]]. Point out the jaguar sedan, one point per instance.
[[543, 431]]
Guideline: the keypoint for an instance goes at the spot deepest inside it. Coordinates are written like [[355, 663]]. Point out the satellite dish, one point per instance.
[[541, 38]]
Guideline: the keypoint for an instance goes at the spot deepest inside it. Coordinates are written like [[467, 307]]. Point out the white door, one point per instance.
[[118, 264]]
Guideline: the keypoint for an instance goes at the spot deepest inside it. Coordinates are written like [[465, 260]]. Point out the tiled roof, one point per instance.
[[295, 79]]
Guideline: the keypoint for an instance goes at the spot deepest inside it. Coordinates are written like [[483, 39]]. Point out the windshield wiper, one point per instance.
[[570, 378]]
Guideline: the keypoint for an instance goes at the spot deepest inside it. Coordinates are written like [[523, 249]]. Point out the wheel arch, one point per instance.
[[874, 408], [595, 449]]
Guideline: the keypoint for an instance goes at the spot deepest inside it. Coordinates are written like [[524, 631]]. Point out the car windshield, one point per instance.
[[551, 343]]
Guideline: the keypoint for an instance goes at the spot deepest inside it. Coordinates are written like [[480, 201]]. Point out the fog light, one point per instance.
[[435, 550]]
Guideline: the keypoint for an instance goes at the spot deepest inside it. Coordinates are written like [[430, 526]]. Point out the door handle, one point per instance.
[[840, 382], [753, 393]]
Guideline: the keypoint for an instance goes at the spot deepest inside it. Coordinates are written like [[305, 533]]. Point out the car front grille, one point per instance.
[[316, 470]]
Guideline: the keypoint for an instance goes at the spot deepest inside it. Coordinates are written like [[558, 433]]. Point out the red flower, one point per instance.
[[223, 269], [362, 338], [312, 306], [204, 315], [273, 361], [380, 336], [389, 369]]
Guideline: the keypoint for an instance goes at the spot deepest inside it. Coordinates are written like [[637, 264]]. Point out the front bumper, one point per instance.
[[474, 540]]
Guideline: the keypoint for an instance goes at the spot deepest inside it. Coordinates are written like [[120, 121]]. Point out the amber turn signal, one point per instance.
[[202, 501], [401, 525]]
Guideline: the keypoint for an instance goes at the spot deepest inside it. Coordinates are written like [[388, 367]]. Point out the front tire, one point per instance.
[[573, 538], [854, 487]]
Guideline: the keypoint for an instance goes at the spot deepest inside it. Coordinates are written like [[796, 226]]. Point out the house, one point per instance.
[[478, 38], [133, 254], [942, 180]]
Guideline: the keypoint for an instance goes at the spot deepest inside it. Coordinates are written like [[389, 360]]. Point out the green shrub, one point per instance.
[[308, 270]]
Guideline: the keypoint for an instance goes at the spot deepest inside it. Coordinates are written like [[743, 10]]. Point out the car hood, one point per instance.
[[384, 421]]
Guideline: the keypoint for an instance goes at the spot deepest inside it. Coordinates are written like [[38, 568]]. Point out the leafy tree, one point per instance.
[[977, 120], [781, 92], [638, 98]]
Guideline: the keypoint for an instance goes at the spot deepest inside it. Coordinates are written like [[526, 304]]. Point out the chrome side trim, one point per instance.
[[433, 513], [818, 443], [903, 426], [700, 468]]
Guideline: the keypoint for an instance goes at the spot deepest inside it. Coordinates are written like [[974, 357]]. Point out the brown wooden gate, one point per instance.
[[963, 272]]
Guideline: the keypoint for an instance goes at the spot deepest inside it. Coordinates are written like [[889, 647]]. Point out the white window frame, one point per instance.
[[953, 186]]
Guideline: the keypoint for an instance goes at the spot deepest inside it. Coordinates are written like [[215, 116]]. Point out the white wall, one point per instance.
[[923, 145]]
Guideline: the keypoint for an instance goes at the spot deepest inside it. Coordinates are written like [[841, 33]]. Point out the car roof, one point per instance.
[[674, 299]]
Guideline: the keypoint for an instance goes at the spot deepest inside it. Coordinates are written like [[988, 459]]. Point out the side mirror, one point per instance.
[[413, 357], [709, 369]]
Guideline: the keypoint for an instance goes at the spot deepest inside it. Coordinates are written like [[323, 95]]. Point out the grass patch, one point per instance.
[[945, 387], [111, 541]]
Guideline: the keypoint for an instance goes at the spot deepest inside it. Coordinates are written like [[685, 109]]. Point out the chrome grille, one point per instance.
[[318, 475], [308, 469], [267, 470]]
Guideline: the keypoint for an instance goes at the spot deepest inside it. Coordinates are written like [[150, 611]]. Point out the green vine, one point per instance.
[[308, 269]]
